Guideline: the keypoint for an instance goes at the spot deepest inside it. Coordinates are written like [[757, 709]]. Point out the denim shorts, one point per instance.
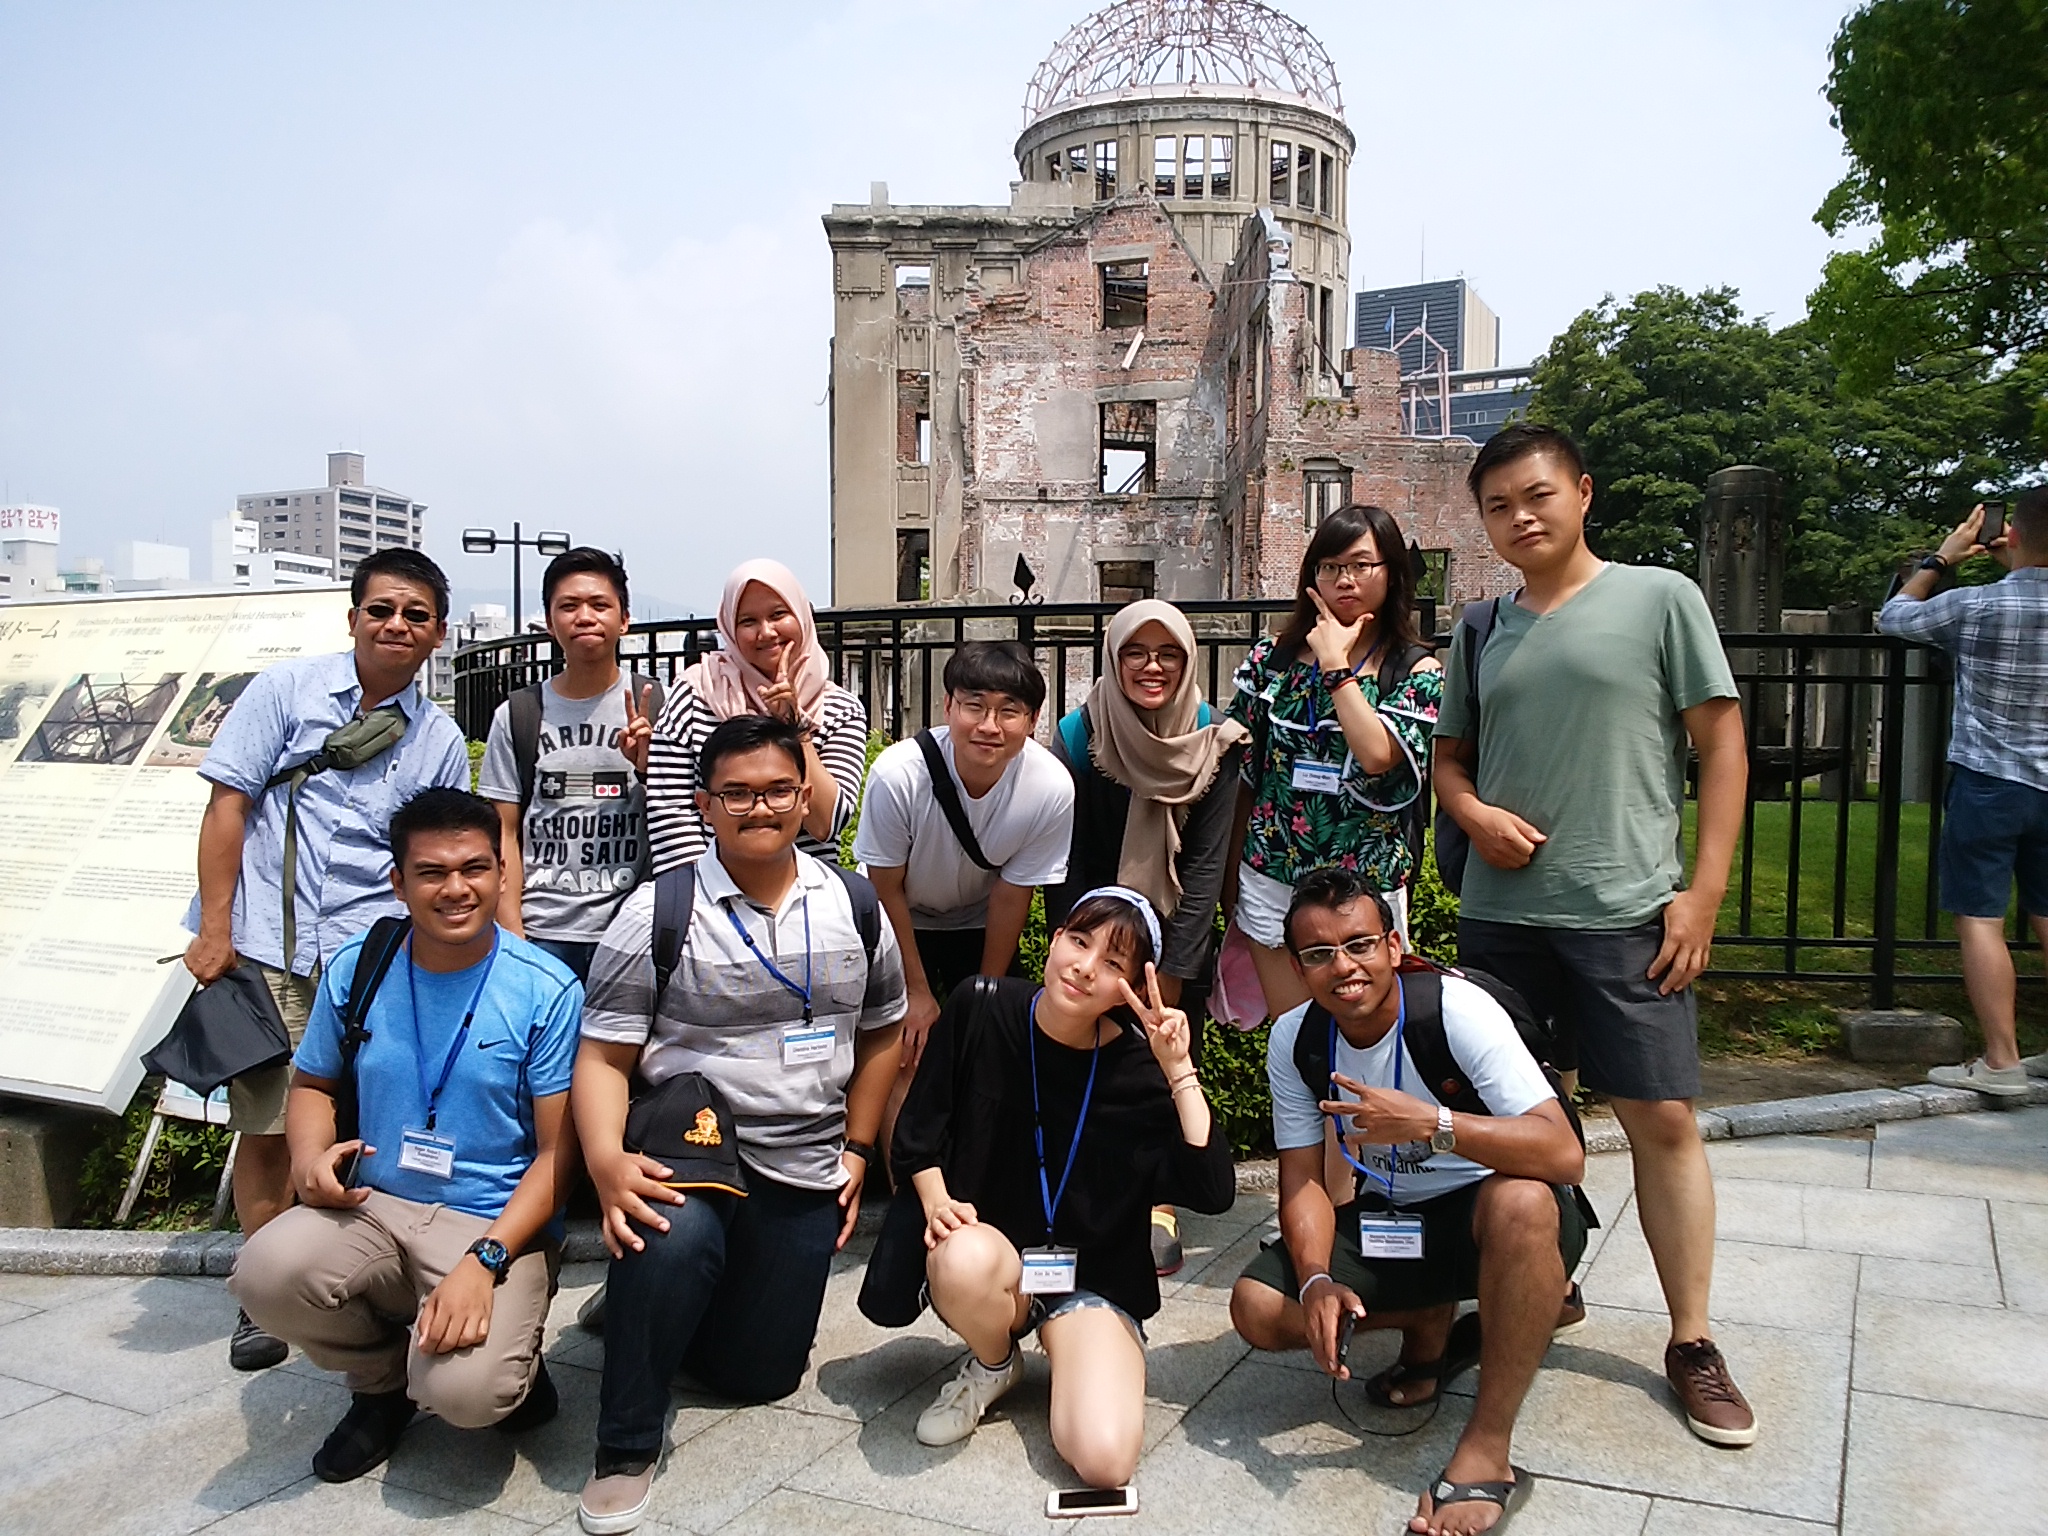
[[1045, 1308], [1991, 831]]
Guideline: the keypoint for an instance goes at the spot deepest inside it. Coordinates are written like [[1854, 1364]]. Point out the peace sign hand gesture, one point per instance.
[[778, 698], [639, 728], [1166, 1029], [1330, 642]]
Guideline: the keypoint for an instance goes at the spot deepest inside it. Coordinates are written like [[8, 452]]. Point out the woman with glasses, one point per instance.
[[1340, 705], [769, 662], [1155, 785]]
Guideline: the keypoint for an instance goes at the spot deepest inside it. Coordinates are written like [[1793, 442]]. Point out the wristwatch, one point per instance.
[[1445, 1139], [494, 1256], [864, 1150], [1934, 562]]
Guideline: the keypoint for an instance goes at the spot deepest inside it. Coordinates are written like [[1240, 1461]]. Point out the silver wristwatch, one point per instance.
[[1445, 1139]]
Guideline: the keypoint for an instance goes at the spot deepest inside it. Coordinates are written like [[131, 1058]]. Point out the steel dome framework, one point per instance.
[[1206, 44]]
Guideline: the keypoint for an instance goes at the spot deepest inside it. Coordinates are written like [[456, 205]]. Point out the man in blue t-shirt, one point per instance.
[[444, 1210]]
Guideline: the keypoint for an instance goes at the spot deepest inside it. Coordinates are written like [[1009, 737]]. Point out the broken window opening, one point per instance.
[[914, 292], [1328, 172], [1125, 581], [913, 417], [1130, 430], [1305, 178], [1165, 160], [1283, 160], [1325, 488], [1124, 292], [1052, 166], [1220, 148], [1432, 574], [913, 565], [1326, 338], [1105, 170], [1193, 165], [1077, 161]]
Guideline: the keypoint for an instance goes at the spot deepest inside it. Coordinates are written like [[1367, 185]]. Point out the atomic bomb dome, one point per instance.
[[1234, 47]]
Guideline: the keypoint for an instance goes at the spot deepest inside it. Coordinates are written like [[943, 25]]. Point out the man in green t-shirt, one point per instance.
[[1594, 678]]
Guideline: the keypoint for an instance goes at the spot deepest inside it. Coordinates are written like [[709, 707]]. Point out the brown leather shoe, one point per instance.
[[1715, 1408]]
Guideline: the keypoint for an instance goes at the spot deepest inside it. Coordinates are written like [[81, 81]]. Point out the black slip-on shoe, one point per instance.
[[364, 1437], [537, 1407]]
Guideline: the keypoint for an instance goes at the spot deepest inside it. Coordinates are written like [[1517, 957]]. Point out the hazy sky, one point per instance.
[[563, 264]]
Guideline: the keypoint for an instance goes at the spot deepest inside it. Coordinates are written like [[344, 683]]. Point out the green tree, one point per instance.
[[1666, 388], [1943, 105]]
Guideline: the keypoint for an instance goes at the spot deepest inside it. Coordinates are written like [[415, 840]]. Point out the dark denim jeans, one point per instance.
[[731, 1292]]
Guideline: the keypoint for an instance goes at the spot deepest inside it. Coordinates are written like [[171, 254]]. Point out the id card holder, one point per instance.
[[803, 1044], [1049, 1271], [1318, 778], [1390, 1237], [422, 1151]]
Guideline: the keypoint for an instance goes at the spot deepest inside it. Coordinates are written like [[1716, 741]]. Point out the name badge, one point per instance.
[[1049, 1271], [1318, 778], [806, 1043], [1390, 1237], [423, 1152]]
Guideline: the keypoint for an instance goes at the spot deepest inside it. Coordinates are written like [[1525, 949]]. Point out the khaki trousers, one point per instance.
[[345, 1287]]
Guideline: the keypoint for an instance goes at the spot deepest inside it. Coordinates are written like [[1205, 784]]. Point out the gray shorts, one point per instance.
[[1593, 987]]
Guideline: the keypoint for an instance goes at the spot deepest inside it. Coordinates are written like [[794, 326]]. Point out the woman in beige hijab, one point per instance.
[[1155, 784]]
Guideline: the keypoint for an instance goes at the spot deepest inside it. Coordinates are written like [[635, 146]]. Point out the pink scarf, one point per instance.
[[729, 683]]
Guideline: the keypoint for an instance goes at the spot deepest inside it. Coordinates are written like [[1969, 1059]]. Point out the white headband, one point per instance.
[[1125, 893]]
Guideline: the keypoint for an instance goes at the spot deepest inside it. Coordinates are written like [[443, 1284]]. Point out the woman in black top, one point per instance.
[[1038, 1133]]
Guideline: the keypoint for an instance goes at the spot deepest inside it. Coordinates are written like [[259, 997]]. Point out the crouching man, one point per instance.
[[422, 1256], [1448, 1206], [740, 1041]]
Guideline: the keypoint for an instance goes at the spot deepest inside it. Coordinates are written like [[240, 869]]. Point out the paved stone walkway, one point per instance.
[[1884, 1302]]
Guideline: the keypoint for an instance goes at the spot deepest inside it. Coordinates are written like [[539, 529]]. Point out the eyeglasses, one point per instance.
[[382, 613], [779, 798], [973, 709], [1363, 947], [1357, 570], [1171, 658]]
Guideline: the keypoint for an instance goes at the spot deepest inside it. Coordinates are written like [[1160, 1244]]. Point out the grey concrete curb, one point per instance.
[[65, 1251]]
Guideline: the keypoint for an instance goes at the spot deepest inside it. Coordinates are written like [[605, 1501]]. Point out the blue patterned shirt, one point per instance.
[[1999, 637], [344, 882]]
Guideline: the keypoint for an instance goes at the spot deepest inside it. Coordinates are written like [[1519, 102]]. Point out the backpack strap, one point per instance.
[[948, 795], [1429, 1047], [373, 962], [867, 908], [636, 681], [675, 894], [1074, 734], [523, 710], [1478, 620]]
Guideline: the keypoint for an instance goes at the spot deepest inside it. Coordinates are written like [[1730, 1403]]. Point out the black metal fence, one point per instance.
[[1834, 879]]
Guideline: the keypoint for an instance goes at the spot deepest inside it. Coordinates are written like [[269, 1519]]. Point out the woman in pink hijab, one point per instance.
[[769, 662]]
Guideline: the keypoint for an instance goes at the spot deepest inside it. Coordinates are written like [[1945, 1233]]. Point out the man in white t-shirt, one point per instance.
[[958, 912], [1450, 1206]]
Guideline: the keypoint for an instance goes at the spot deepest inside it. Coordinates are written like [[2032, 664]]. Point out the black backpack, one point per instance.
[[1453, 844], [1429, 1047], [675, 895], [524, 718]]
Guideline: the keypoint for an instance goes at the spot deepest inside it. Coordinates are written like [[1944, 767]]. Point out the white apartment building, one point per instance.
[[28, 552], [238, 560], [345, 520]]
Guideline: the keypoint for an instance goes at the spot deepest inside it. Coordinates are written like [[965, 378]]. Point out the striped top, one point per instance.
[[677, 834], [724, 1015]]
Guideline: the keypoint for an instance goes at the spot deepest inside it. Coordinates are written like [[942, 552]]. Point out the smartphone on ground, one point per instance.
[[1073, 1503]]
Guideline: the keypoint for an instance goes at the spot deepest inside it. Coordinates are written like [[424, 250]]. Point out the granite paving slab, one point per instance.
[[1944, 1229], [789, 1513], [17, 1395], [1675, 1517], [175, 1330], [713, 1475], [364, 1508], [1996, 1156], [1930, 1469], [1977, 1357], [1779, 1287], [2021, 1232], [1843, 1161], [1962, 1285]]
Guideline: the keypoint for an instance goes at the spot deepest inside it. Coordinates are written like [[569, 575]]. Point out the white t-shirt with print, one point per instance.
[[1483, 1042], [1024, 825]]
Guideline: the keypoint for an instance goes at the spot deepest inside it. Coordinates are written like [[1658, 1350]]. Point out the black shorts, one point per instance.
[[1593, 987], [1448, 1270]]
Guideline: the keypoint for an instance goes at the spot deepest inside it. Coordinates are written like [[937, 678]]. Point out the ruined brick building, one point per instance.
[[1133, 376]]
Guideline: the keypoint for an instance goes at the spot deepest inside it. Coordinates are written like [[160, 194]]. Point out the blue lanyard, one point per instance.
[[1400, 1029], [803, 993], [433, 1095], [1046, 1193]]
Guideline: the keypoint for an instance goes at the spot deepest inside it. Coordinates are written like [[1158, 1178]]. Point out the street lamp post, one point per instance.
[[485, 541]]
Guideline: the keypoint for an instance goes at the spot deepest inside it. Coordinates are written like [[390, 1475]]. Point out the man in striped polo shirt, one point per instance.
[[778, 1001]]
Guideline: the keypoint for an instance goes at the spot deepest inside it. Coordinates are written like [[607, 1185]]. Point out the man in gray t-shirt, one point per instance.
[[575, 814]]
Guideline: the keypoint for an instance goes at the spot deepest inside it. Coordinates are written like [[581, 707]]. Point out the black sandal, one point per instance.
[[1508, 1496], [1461, 1353]]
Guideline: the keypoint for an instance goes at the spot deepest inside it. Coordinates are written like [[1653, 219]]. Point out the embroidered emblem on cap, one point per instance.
[[705, 1132]]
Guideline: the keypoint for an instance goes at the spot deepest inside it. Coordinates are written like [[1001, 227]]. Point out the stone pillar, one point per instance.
[[1742, 570], [41, 1149]]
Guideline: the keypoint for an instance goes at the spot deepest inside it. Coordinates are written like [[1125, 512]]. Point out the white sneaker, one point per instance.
[[2001, 1082], [2035, 1066], [963, 1400]]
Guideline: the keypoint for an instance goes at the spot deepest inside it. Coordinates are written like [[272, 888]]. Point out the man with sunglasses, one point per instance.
[[790, 1012], [341, 879], [1449, 1207]]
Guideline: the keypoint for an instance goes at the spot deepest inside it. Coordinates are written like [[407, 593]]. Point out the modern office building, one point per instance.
[[1419, 319], [344, 520], [28, 551]]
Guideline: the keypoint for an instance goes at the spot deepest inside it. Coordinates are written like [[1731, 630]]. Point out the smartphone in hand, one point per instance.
[[1994, 523]]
